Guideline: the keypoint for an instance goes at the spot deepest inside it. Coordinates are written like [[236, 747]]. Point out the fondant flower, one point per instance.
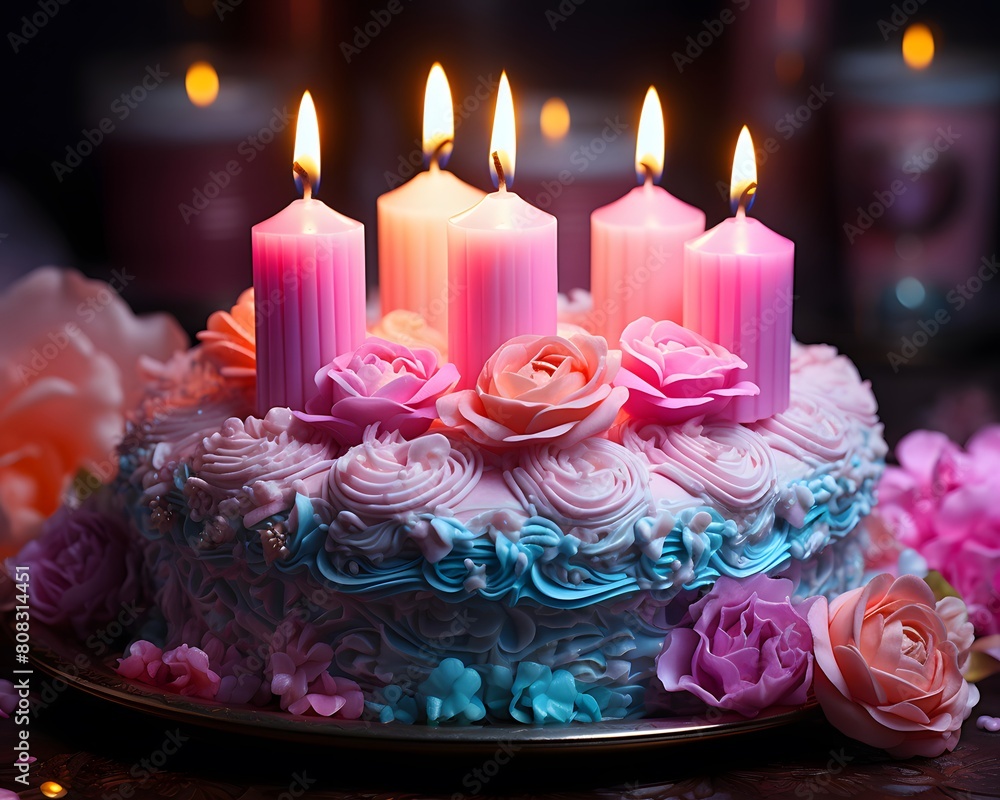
[[673, 374], [84, 571], [380, 382], [298, 673], [888, 667], [229, 340], [68, 359], [450, 693], [749, 649], [183, 669], [540, 389]]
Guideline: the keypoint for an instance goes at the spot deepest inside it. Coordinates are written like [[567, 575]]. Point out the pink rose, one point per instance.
[[673, 374], [68, 369], [380, 382], [889, 669], [750, 648], [84, 571], [540, 388]]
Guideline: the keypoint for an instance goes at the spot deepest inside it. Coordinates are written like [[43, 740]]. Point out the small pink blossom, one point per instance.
[[298, 675], [381, 382], [184, 669]]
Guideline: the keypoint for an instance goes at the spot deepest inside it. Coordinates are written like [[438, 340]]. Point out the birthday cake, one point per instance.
[[519, 552]]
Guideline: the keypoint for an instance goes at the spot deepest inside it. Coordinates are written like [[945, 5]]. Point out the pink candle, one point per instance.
[[738, 293], [637, 242], [501, 262], [413, 219], [309, 283]]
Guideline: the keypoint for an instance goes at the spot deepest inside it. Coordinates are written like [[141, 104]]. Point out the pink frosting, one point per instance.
[[811, 429], [674, 374], [723, 462], [258, 465], [540, 388], [389, 477], [889, 667], [821, 370], [381, 383], [595, 489]]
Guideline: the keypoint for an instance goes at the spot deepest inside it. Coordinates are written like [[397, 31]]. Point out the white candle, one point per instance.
[[413, 219]]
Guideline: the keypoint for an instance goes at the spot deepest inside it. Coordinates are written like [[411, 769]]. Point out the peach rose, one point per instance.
[[230, 341], [68, 368], [889, 666], [540, 388]]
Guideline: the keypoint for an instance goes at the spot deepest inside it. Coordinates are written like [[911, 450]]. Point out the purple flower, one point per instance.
[[84, 572], [673, 374], [380, 382], [184, 669], [749, 649]]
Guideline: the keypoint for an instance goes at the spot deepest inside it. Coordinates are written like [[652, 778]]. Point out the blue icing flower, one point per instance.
[[689, 550], [540, 696], [743, 557], [451, 693], [398, 707]]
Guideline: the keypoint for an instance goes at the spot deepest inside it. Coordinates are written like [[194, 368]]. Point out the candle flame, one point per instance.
[[918, 46], [554, 119], [52, 789], [743, 185], [306, 153], [439, 116], [649, 143], [201, 83], [503, 142]]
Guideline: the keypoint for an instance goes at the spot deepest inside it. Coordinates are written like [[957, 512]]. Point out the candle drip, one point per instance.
[[299, 170], [746, 199], [436, 155], [501, 183]]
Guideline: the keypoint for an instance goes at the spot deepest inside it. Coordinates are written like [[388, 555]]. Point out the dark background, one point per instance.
[[120, 207]]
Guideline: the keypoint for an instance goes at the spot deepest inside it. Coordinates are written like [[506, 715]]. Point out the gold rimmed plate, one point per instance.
[[67, 660]]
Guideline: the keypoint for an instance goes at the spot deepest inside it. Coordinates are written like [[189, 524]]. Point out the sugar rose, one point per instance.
[[889, 666], [674, 374], [540, 388], [381, 382]]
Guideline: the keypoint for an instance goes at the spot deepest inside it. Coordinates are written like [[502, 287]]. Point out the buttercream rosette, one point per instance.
[[382, 383], [536, 389]]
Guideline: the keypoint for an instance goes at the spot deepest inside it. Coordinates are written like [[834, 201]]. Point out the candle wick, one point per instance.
[[307, 189], [746, 199], [501, 183], [439, 151], [648, 170]]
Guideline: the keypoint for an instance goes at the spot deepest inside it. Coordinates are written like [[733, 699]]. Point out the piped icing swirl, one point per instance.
[[811, 429], [595, 489], [722, 462], [255, 467], [391, 478]]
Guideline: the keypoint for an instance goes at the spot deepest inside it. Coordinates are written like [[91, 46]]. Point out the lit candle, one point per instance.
[[637, 242], [738, 293], [309, 283], [501, 261], [413, 219]]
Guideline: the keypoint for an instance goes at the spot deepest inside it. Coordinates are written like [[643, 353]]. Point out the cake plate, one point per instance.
[[68, 661]]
